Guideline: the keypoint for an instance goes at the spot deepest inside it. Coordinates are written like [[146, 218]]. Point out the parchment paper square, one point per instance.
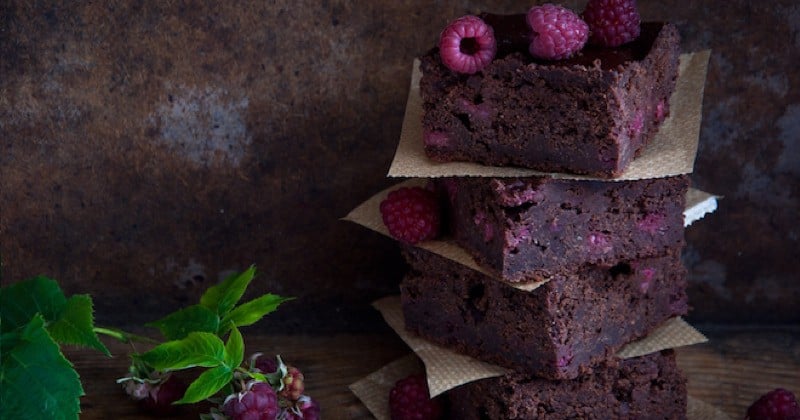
[[671, 152]]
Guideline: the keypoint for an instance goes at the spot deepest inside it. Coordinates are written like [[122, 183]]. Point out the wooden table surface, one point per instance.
[[730, 371]]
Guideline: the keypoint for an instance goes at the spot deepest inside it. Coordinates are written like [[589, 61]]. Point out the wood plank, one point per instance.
[[739, 364], [329, 364], [729, 372]]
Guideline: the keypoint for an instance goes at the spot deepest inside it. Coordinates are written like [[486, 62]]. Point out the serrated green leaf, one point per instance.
[[234, 349], [20, 301], [251, 312], [36, 381], [75, 324], [207, 384], [179, 324], [222, 297], [197, 349]]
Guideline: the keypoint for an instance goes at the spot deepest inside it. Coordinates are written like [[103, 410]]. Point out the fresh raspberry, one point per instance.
[[305, 408], [412, 214], [612, 22], [160, 398], [778, 404], [558, 33], [410, 399], [265, 364], [257, 401], [467, 45]]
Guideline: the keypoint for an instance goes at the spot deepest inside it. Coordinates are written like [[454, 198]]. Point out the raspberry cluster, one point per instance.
[[281, 396], [468, 44]]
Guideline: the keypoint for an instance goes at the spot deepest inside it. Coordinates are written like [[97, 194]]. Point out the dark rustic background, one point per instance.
[[149, 147]]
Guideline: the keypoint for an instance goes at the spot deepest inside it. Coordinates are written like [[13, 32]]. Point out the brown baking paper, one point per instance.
[[373, 391], [670, 152], [698, 203], [447, 369]]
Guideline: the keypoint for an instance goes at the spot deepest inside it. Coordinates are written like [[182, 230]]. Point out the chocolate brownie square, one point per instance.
[[558, 330], [590, 114], [524, 229], [646, 387]]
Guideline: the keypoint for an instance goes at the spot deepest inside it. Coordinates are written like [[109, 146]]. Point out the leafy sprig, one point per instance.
[[36, 318], [217, 311], [196, 334]]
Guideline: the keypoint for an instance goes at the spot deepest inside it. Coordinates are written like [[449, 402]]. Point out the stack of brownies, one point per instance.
[[571, 269], [576, 258]]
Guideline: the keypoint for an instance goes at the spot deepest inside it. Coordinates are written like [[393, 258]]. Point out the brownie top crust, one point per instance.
[[590, 114]]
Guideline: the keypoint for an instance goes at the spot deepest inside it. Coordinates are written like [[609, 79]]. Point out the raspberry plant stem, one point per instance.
[[123, 336]]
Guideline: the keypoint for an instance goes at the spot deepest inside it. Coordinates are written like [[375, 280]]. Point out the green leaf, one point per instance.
[[20, 301], [251, 312], [234, 349], [207, 384], [179, 324], [36, 381], [222, 297], [197, 349], [75, 324]]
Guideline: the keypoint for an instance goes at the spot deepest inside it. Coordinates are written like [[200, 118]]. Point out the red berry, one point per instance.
[[410, 399], [558, 33], [411, 214], [778, 404], [257, 401], [305, 408], [612, 22], [266, 364], [160, 398], [467, 45]]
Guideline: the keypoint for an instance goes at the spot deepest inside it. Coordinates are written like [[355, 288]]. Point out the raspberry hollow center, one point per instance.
[[469, 46]]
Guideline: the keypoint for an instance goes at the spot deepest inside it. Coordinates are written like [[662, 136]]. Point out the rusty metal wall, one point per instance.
[[147, 148]]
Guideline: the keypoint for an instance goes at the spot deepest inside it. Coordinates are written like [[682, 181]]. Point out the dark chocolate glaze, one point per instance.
[[512, 32]]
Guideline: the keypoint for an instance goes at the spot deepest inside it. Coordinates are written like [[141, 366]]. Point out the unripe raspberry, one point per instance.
[[293, 385]]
